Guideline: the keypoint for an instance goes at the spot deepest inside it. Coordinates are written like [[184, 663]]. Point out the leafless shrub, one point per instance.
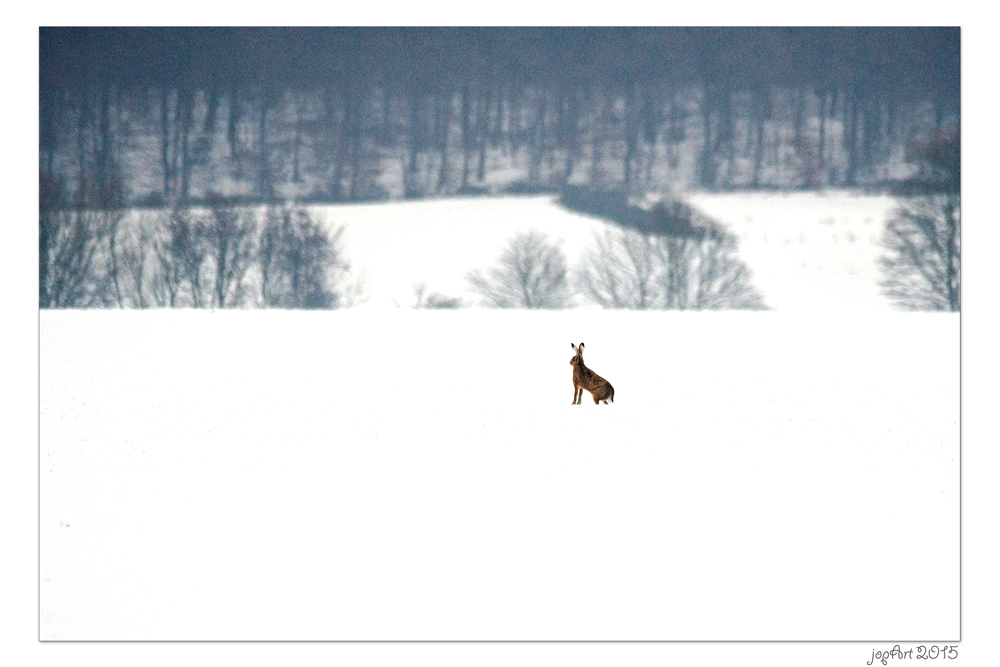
[[531, 273], [433, 300], [921, 264], [353, 287]]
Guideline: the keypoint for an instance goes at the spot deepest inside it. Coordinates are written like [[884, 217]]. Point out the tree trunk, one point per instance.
[[297, 144], [176, 129], [445, 112], [386, 125], [466, 135], [726, 136], [760, 113], [357, 145], [798, 120], [484, 127], [676, 128], [850, 138], [337, 186], [535, 147], [706, 170], [234, 117], [103, 156], [114, 264], [212, 103], [570, 121], [821, 158], [264, 184], [953, 253], [165, 142], [81, 139], [410, 172], [186, 106]]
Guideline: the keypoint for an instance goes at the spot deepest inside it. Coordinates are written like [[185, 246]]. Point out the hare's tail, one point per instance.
[[612, 394]]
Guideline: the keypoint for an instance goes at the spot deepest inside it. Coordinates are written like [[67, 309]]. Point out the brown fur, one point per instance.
[[584, 378]]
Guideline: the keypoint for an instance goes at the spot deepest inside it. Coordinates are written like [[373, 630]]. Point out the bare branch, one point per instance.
[[921, 263], [627, 269], [531, 273]]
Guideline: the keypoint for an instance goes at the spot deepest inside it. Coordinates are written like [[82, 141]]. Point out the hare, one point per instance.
[[584, 378]]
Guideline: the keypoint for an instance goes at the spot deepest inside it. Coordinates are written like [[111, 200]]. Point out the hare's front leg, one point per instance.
[[577, 391]]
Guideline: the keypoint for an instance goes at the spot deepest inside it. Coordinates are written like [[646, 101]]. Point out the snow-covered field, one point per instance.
[[397, 246], [808, 252], [390, 473]]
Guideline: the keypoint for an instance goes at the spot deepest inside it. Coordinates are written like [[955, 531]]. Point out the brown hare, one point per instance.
[[584, 378]]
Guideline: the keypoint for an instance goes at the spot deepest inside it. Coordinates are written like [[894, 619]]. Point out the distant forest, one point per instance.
[[177, 116]]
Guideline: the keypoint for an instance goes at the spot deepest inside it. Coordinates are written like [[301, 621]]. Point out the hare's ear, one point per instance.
[[581, 347], [573, 346]]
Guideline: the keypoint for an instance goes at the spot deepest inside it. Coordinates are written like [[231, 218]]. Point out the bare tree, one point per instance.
[[166, 276], [675, 255], [138, 240], [433, 300], [619, 270], [711, 276], [921, 264], [109, 287], [181, 255], [300, 264], [69, 270], [268, 258], [51, 193], [531, 273], [230, 235], [199, 259], [69, 245], [634, 270]]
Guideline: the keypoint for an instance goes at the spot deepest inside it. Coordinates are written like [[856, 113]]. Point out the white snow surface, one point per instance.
[[382, 472], [396, 246], [809, 252], [407, 474]]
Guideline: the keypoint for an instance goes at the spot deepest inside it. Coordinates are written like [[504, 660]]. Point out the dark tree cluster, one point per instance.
[[219, 256], [168, 115]]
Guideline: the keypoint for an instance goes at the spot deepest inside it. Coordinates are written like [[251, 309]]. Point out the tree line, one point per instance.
[[219, 256], [160, 116], [281, 256]]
